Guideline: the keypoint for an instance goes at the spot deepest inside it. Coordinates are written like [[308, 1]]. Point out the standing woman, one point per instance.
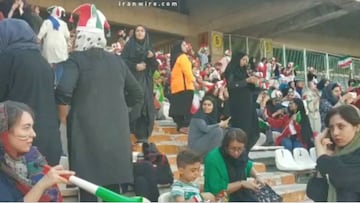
[[182, 87], [25, 76], [241, 89], [94, 83], [140, 58]]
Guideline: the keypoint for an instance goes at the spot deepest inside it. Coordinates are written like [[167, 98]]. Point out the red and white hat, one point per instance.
[[90, 18], [56, 11]]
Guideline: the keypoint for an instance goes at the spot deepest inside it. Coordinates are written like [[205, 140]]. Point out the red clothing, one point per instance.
[[292, 128]]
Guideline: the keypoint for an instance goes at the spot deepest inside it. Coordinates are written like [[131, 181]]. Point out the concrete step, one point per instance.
[[292, 193], [161, 137]]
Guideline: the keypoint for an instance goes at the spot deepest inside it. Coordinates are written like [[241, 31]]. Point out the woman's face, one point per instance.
[[291, 94], [292, 84], [235, 149], [293, 107], [207, 106], [342, 132], [22, 134], [244, 61], [184, 47], [140, 33], [336, 92]]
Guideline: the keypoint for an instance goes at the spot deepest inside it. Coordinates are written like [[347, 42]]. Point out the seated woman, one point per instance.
[[338, 152], [227, 168], [21, 165], [298, 132], [205, 132]]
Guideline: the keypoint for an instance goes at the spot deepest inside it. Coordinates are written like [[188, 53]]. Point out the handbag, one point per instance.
[[317, 188], [266, 194]]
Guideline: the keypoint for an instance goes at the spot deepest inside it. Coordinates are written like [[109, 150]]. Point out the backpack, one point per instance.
[[160, 163]]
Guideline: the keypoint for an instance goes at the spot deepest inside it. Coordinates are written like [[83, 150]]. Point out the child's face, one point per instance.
[[190, 172]]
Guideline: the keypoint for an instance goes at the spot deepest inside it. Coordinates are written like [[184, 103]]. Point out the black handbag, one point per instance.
[[317, 188], [266, 194]]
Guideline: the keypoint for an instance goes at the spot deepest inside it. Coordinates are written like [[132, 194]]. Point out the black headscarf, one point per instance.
[[233, 68], [306, 131], [136, 50], [328, 94], [209, 118], [236, 166], [321, 85], [176, 51]]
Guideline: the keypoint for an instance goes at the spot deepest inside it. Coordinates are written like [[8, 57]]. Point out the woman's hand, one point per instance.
[[15, 6], [150, 54], [56, 175], [252, 185], [260, 181], [141, 66], [225, 123], [324, 144]]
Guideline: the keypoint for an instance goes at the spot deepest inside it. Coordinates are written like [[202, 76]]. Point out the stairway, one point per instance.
[[170, 142]]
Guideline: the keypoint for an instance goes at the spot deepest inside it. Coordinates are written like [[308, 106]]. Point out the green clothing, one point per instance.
[[186, 190], [216, 174]]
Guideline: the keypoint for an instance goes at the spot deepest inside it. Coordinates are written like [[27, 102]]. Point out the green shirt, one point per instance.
[[186, 190], [216, 174]]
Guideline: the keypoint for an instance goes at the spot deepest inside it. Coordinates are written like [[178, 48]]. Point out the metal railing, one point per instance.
[[326, 64]]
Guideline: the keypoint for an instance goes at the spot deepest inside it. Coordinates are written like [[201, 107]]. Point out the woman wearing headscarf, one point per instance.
[[298, 132], [182, 86], [94, 83], [331, 97], [55, 36], [312, 98], [227, 168], [21, 165], [338, 162], [25, 76], [140, 58], [241, 89], [205, 131]]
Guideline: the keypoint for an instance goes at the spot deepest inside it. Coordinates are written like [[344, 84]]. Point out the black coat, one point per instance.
[[133, 54], [343, 174], [241, 101], [94, 83], [25, 76]]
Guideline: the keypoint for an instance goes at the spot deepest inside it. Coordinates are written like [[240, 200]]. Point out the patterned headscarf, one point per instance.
[[86, 40], [33, 163]]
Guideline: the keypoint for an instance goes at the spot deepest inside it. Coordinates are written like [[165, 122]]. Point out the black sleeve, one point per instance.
[[133, 90], [5, 67], [67, 83], [343, 171], [153, 64], [232, 83], [125, 55]]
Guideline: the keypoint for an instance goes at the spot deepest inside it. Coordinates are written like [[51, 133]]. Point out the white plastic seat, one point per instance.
[[164, 197], [313, 154], [262, 140], [275, 135], [284, 161], [302, 158]]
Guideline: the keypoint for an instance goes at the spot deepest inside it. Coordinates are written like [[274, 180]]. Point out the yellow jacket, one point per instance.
[[182, 77]]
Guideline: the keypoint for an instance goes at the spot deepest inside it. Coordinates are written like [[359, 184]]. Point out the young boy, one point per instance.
[[184, 190]]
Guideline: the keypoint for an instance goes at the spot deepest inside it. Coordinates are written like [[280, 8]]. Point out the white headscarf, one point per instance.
[[86, 40]]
